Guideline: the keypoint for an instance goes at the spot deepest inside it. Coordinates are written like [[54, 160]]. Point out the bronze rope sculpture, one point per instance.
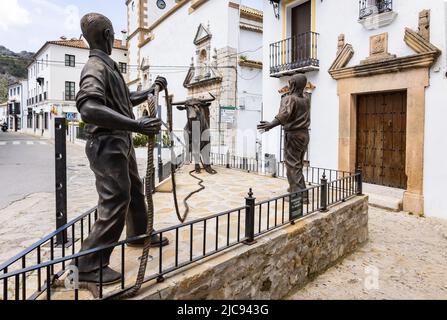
[[152, 103]]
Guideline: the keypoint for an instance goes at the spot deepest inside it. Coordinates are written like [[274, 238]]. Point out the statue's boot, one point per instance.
[[109, 276], [197, 168], [210, 170], [155, 242]]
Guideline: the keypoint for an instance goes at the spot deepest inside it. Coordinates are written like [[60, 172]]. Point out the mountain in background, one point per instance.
[[12, 68]]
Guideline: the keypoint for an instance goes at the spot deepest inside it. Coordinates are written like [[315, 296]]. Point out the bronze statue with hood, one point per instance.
[[294, 116]]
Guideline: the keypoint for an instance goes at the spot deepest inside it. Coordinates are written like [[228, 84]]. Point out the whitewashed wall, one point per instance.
[[55, 74]]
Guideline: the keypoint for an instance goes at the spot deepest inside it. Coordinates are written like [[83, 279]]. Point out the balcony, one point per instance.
[[294, 55], [373, 8]]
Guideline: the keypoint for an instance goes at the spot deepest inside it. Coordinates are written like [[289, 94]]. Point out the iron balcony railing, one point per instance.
[[297, 53], [370, 7], [35, 272]]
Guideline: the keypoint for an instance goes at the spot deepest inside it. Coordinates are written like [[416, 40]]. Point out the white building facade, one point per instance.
[[53, 82], [202, 47], [17, 98], [377, 73]]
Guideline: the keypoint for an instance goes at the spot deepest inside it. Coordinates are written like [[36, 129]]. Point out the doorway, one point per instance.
[[381, 138]]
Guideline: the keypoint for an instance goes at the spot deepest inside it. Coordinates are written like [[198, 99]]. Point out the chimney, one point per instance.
[[124, 39]]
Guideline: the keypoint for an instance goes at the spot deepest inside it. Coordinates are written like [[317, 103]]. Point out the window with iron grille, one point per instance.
[[370, 7], [70, 91], [123, 67], [70, 60]]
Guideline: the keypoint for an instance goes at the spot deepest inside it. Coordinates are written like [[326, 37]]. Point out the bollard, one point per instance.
[[250, 219], [359, 175], [228, 159], [323, 193], [60, 143]]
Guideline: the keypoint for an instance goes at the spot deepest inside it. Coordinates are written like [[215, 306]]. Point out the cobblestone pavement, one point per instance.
[[405, 258]]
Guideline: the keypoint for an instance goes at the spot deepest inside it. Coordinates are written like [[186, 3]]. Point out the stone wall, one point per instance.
[[278, 263]]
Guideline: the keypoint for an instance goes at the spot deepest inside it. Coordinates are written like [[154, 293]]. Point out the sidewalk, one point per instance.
[[405, 258]]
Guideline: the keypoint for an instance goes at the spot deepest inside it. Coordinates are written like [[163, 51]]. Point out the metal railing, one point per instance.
[[32, 273], [274, 168], [293, 53], [370, 7]]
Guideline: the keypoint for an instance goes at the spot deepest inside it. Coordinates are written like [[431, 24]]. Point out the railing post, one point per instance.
[[323, 193], [228, 159], [60, 143], [250, 218], [359, 181]]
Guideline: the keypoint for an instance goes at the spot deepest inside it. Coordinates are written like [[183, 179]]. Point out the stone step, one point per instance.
[[384, 197]]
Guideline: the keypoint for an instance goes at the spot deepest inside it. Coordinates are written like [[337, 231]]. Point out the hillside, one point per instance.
[[12, 67]]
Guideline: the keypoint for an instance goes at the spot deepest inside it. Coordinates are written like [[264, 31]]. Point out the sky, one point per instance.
[[28, 24]]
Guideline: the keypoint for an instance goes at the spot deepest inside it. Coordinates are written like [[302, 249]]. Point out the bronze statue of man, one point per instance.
[[294, 116], [105, 105]]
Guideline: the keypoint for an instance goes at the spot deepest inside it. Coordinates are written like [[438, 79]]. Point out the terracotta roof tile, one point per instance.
[[81, 44]]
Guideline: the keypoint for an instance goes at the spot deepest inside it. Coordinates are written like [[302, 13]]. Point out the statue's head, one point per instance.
[[98, 31], [297, 83]]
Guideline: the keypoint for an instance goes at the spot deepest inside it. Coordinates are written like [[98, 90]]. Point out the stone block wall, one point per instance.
[[277, 264]]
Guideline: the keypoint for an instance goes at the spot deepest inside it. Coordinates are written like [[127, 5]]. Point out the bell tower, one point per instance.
[[137, 31]]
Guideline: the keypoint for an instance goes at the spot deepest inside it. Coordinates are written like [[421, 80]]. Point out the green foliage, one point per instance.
[[140, 140], [13, 66], [166, 139], [243, 58], [3, 89]]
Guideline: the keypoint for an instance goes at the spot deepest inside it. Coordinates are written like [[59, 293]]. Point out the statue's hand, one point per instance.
[[149, 126], [161, 82], [264, 125]]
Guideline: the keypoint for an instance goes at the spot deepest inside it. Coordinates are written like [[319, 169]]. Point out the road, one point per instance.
[[26, 166]]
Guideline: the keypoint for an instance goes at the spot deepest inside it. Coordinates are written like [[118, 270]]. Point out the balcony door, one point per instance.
[[301, 32]]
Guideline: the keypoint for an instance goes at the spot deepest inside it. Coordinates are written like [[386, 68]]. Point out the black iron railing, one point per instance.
[[33, 273], [294, 53], [274, 168], [370, 7]]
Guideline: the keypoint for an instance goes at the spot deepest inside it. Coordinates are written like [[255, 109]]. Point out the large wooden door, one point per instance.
[[301, 27], [381, 138]]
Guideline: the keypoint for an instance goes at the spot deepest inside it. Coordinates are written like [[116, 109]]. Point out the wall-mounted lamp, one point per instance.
[[275, 4]]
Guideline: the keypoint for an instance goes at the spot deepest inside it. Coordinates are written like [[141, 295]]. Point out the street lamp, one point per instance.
[[275, 4]]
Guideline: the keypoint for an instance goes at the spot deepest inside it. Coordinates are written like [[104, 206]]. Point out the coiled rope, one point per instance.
[[152, 103]]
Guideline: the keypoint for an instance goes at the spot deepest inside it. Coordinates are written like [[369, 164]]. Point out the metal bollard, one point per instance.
[[250, 219], [323, 193], [359, 175], [60, 144]]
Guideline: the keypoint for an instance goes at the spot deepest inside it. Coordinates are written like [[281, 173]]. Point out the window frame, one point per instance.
[[70, 91], [70, 60], [123, 67]]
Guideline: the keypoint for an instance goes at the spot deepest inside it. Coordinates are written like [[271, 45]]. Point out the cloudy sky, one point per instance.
[[27, 24]]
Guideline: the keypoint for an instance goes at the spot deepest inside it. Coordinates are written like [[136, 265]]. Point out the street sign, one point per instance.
[[227, 114], [71, 116]]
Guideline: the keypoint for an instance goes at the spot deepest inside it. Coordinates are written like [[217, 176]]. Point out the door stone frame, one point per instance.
[[382, 72], [414, 82]]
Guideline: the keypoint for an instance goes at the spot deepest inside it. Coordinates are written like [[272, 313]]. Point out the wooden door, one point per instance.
[[301, 27], [381, 138]]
